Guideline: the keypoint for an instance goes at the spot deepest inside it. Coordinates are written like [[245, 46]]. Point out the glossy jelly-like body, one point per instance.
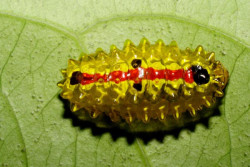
[[144, 82]]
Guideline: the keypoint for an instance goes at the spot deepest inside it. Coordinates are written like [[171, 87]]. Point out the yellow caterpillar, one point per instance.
[[144, 82]]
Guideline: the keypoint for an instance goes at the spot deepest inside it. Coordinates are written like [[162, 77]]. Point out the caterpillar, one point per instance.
[[144, 82]]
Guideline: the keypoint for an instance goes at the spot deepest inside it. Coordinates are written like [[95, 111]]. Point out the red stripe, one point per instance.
[[138, 74]]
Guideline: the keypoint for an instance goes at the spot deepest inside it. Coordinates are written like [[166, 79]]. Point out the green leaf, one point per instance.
[[38, 37]]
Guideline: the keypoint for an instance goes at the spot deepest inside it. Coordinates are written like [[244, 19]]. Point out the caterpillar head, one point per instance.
[[217, 76], [220, 78], [208, 74], [209, 79], [72, 76]]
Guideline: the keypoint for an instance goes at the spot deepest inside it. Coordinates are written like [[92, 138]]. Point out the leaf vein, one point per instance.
[[1, 87], [56, 27], [174, 17], [143, 153]]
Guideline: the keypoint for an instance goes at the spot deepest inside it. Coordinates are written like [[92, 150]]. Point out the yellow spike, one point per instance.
[[129, 119], [198, 50], [215, 81], [99, 50], [60, 84], [187, 92], [64, 71], [114, 116], [113, 48], [219, 93], [177, 113], [219, 76], [173, 44], [73, 62], [135, 99], [74, 107], [128, 43], [146, 118], [144, 44], [94, 114], [101, 56], [154, 97], [82, 56], [115, 53], [207, 103], [217, 62], [191, 110], [211, 57], [159, 43], [200, 89], [67, 95], [199, 108], [162, 116], [188, 49], [81, 96]]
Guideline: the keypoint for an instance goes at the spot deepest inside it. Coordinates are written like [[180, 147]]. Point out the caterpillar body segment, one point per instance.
[[144, 82]]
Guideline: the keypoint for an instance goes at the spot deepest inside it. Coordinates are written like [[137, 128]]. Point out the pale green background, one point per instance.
[[37, 37]]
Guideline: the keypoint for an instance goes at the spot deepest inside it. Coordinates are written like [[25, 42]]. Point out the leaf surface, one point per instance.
[[38, 37]]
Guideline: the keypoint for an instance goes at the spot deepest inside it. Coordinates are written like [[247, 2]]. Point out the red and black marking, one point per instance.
[[194, 74]]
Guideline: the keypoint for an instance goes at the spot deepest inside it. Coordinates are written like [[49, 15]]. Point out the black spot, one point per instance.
[[200, 75], [136, 63], [76, 78], [137, 86]]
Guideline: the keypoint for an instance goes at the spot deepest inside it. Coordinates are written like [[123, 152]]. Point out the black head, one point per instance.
[[136, 63], [76, 78], [200, 75]]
